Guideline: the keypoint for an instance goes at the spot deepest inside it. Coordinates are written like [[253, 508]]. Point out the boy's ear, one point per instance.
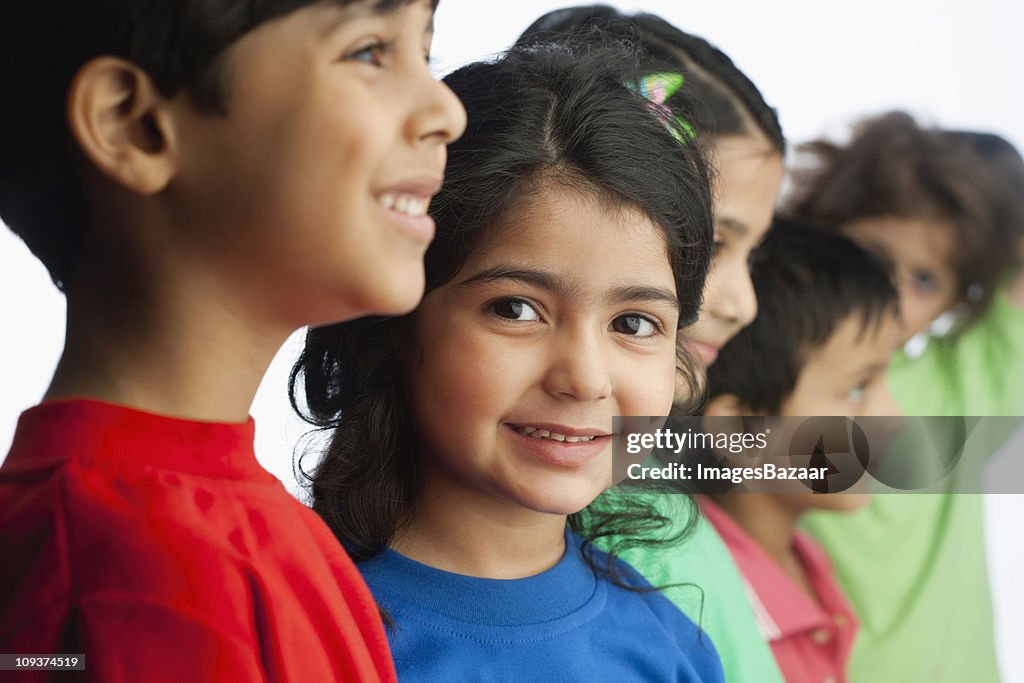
[[725, 405], [122, 123]]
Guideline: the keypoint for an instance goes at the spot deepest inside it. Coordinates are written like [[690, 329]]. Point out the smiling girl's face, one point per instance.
[[567, 318]]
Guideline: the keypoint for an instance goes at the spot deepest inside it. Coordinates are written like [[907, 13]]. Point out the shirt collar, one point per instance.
[[782, 609], [95, 433]]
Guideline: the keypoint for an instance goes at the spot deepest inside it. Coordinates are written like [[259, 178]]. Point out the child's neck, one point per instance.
[[771, 520], [172, 348], [469, 532]]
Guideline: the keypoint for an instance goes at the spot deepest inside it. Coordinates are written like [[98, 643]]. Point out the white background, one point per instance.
[[822, 63]]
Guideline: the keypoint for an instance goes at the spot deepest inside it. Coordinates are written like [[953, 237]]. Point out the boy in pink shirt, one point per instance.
[[826, 327]]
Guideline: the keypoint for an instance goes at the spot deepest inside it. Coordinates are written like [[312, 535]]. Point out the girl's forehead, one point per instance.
[[921, 241], [559, 213], [579, 238], [566, 225]]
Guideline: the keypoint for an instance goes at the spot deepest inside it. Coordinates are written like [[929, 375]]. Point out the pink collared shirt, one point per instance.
[[811, 640]]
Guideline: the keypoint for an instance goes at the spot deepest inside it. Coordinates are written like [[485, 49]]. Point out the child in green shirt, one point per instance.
[[946, 209]]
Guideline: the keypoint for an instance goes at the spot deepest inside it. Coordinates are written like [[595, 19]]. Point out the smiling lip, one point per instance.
[[707, 352], [563, 454], [426, 185], [418, 190]]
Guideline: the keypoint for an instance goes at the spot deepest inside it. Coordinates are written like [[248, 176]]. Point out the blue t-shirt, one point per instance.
[[564, 624]]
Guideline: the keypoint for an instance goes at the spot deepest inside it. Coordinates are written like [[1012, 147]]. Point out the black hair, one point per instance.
[[808, 282], [717, 98], [539, 116], [894, 167], [180, 44]]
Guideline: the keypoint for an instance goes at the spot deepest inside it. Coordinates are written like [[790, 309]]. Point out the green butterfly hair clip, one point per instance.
[[656, 88]]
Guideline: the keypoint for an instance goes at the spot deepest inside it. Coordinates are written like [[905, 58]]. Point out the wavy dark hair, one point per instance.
[[718, 99], [894, 166], [538, 116]]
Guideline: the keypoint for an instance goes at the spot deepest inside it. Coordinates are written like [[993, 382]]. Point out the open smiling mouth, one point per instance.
[[545, 434], [409, 205]]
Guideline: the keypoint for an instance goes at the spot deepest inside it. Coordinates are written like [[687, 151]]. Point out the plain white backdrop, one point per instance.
[[822, 64]]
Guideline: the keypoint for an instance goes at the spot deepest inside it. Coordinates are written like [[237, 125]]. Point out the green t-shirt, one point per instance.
[[701, 578], [913, 565]]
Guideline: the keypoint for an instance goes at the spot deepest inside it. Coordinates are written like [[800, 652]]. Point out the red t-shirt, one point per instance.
[[810, 638], [163, 551]]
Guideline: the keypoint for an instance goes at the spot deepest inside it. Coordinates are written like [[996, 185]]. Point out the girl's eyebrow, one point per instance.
[[556, 284], [643, 293], [567, 289]]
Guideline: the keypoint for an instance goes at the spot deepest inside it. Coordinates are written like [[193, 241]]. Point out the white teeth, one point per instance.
[[410, 205], [535, 433]]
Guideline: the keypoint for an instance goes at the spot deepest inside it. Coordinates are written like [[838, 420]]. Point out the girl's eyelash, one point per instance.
[[716, 246], [659, 328], [511, 301]]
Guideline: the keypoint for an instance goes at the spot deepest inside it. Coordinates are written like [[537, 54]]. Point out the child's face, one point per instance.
[[921, 252], [749, 174], [311, 194], [566, 319], [847, 375]]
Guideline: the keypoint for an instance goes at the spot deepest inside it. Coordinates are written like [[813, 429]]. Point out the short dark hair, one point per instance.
[[538, 116], [894, 167], [717, 98], [180, 44], [808, 282]]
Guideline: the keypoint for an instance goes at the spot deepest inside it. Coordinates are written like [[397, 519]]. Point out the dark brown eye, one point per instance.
[[514, 309], [635, 325]]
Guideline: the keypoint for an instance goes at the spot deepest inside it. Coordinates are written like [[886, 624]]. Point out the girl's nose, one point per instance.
[[579, 368]]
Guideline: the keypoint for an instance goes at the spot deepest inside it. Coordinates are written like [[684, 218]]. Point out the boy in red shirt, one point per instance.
[[826, 326], [201, 179]]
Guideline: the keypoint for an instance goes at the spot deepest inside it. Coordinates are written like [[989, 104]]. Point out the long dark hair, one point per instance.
[[538, 115], [717, 97]]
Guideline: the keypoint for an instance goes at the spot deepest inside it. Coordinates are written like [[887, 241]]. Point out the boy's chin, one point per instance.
[[395, 296]]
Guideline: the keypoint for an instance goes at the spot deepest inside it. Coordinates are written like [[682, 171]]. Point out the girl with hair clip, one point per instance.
[[727, 114], [946, 208], [470, 439]]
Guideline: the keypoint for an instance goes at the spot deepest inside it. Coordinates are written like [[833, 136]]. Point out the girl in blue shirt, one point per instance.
[[469, 439]]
